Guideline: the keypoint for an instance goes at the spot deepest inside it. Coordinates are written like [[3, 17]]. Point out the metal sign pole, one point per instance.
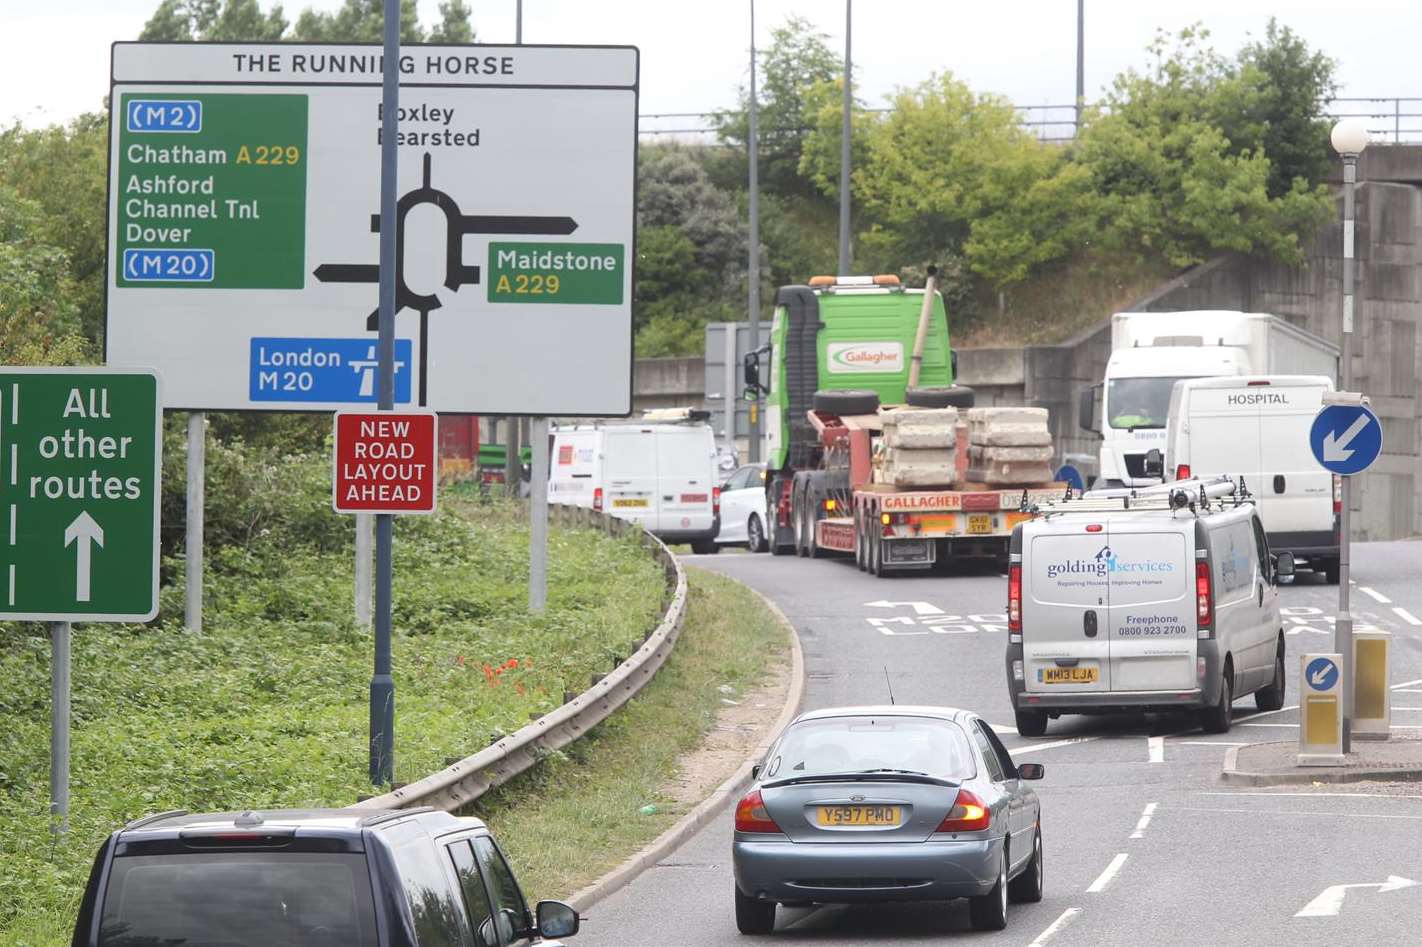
[[59, 728], [1343, 627], [364, 539], [753, 434], [844, 151], [197, 466], [538, 520], [382, 684]]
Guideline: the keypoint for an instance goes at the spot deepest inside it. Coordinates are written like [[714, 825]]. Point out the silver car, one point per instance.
[[866, 804]]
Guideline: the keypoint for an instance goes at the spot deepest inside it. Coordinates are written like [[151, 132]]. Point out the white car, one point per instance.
[[743, 509]]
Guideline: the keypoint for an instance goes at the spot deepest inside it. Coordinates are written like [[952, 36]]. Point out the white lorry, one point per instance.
[[1151, 351], [1257, 427]]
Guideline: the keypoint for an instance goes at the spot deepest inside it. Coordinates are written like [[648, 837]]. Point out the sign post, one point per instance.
[[1346, 437], [80, 461], [1320, 710]]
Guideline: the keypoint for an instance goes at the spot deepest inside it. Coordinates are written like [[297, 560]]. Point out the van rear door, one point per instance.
[[629, 470], [686, 474], [1151, 626], [1294, 494], [1064, 607]]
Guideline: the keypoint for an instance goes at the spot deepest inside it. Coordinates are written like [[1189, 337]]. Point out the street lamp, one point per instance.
[[1349, 137]]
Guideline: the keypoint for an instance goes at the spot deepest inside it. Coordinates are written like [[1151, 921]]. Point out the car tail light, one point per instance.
[[1182, 472], [830, 505], [752, 816], [716, 501], [1014, 603], [967, 815], [1337, 494], [886, 518], [597, 499], [1093, 527], [1204, 599]]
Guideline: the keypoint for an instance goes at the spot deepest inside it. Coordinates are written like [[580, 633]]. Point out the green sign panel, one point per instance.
[[587, 273], [211, 191], [79, 477]]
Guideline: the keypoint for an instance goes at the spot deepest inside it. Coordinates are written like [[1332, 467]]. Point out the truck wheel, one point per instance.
[[847, 401], [953, 396], [1331, 571], [1031, 723], [876, 555], [861, 559]]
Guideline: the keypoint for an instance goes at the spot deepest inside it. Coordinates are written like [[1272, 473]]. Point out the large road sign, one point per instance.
[[244, 217], [385, 462], [1346, 438], [80, 459]]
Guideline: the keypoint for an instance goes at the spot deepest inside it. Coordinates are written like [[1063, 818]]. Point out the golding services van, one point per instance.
[[1257, 427], [1157, 600], [662, 476]]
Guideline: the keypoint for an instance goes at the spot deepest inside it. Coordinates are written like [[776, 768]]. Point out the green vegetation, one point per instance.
[[576, 815], [268, 706]]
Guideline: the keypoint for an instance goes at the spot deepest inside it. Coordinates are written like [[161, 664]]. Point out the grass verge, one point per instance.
[[578, 814], [267, 707]]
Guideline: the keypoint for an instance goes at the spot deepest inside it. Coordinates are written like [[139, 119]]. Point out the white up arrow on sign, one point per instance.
[[919, 608], [84, 529], [1335, 446], [1330, 902]]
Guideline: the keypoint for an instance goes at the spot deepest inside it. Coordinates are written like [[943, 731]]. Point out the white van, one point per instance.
[[663, 476], [1157, 600], [1256, 427]]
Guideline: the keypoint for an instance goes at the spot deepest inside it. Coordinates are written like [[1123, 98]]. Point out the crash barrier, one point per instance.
[[465, 781]]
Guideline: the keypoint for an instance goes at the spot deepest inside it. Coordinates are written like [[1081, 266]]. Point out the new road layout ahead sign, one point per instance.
[[385, 462], [80, 456], [244, 200]]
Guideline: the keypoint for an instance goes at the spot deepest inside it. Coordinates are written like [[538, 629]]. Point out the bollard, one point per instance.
[[1372, 699], [1320, 710]]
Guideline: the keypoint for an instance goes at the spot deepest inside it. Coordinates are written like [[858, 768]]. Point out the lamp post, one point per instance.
[[1349, 137]]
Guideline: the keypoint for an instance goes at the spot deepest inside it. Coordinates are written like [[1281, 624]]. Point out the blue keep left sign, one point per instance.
[[324, 371], [1346, 438], [1321, 674]]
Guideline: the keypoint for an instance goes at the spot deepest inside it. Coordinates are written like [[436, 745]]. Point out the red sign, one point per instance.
[[385, 462]]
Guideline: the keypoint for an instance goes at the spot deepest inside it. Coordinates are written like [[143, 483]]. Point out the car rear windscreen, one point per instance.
[[239, 899], [859, 743]]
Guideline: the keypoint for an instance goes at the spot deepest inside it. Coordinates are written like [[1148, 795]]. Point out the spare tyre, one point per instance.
[[847, 401], [954, 396]]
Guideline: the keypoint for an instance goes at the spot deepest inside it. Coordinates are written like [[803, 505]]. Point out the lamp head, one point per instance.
[[1349, 136]]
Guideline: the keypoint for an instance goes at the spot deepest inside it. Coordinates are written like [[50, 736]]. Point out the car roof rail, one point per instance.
[[156, 817], [379, 817]]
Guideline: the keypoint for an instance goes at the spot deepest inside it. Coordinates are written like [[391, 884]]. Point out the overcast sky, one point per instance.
[[54, 56]]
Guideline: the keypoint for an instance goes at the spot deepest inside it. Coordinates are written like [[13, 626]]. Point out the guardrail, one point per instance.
[[460, 784]]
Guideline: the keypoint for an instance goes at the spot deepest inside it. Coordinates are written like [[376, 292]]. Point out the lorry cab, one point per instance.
[[1160, 600], [1257, 427]]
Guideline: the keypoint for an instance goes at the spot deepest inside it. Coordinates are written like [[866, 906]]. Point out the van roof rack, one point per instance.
[[1196, 495]]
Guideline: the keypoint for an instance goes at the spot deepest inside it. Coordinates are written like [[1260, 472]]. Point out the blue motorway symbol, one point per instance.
[[330, 371], [169, 266], [164, 115], [1321, 674], [1346, 438]]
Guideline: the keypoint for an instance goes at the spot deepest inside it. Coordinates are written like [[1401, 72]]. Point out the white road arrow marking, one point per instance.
[[919, 608], [1335, 446], [1330, 902], [83, 529]]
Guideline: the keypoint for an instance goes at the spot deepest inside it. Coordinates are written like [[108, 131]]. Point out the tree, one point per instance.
[[232, 20], [797, 60], [357, 21], [39, 321]]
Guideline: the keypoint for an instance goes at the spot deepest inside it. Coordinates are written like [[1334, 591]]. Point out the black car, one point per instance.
[[310, 878]]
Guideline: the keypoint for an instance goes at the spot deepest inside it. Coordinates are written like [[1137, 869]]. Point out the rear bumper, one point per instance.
[[672, 536], [830, 873], [1322, 543], [1085, 702]]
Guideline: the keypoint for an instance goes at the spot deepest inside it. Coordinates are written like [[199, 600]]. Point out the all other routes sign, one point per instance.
[[1346, 438], [80, 462], [244, 206], [385, 462]]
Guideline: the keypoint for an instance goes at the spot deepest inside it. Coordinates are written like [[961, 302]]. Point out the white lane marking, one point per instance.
[[1396, 726], [1262, 713], [1408, 690], [12, 524], [1330, 901], [1144, 820], [1155, 749], [1104, 879], [12, 583], [1325, 815], [14, 465], [1407, 616], [1406, 684], [1062, 921], [1377, 596], [1034, 747], [1207, 743], [1305, 795], [15, 404]]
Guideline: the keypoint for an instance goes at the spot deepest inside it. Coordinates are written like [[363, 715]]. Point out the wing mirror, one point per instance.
[[1154, 464], [755, 771], [1086, 409], [1030, 771], [1283, 565], [556, 919]]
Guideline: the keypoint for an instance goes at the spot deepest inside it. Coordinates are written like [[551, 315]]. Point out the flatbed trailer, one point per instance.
[[887, 528]]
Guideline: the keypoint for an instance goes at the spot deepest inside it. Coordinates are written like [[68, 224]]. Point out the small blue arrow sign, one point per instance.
[[1346, 438], [1321, 674]]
